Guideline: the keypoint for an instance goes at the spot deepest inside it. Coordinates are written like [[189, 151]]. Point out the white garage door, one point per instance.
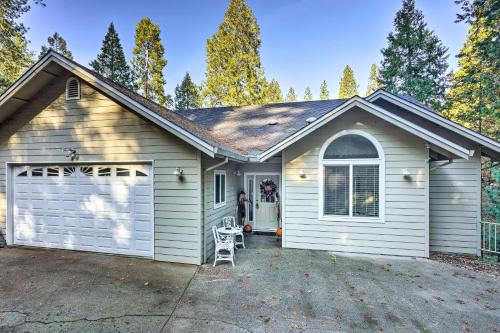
[[100, 208]]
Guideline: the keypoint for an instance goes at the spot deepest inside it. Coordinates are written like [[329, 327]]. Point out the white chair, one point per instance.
[[230, 221], [224, 247]]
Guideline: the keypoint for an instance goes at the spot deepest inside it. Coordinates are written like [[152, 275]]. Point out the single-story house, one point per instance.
[[92, 166]]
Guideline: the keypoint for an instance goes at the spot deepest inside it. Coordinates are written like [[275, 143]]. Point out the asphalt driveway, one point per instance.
[[271, 289]]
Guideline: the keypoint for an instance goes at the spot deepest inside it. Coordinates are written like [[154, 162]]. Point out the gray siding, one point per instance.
[[455, 199], [213, 216], [102, 130], [405, 228]]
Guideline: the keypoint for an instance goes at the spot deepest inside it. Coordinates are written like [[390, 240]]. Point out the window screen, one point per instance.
[[336, 192], [365, 190]]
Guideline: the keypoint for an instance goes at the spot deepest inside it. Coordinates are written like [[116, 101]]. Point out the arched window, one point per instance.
[[72, 89], [351, 173]]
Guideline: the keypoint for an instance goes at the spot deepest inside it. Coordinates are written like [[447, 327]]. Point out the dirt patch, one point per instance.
[[468, 262]]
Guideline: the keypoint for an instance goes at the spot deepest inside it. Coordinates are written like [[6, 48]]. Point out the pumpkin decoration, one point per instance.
[[279, 232], [247, 228]]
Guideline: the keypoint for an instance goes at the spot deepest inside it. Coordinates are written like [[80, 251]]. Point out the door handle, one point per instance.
[[257, 205]]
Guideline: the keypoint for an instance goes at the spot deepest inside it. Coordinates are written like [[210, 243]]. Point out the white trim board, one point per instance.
[[435, 118], [424, 134]]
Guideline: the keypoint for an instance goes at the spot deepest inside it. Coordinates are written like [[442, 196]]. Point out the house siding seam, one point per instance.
[[455, 194], [403, 231], [102, 130]]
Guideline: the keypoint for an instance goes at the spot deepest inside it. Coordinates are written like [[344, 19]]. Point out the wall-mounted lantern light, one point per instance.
[[237, 173], [178, 172], [302, 173], [71, 153], [406, 174]]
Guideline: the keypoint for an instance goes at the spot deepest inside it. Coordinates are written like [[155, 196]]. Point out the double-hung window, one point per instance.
[[219, 188], [351, 186]]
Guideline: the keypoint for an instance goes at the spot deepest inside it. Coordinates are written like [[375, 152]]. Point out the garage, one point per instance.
[[98, 208]]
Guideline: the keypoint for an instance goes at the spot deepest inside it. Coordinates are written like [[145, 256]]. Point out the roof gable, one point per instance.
[[492, 147], [180, 126]]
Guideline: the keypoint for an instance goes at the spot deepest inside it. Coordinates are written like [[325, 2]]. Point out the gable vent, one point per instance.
[[72, 89]]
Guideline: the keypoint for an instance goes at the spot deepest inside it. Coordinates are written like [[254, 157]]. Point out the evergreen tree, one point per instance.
[[14, 60], [323, 91], [15, 57], [291, 96], [57, 43], [348, 86], [149, 61], [414, 61], [273, 94], [186, 94], [473, 99], [234, 74], [308, 94], [111, 61], [373, 80]]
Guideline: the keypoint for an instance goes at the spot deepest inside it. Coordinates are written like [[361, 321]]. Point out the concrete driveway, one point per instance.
[[270, 290]]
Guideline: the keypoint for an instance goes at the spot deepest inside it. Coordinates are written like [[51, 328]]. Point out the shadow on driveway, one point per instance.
[[270, 290], [282, 290], [67, 291]]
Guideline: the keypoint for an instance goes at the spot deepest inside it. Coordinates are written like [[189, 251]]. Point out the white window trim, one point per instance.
[[79, 89], [222, 203], [380, 161]]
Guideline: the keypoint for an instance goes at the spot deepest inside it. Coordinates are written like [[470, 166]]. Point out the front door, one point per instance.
[[263, 191]]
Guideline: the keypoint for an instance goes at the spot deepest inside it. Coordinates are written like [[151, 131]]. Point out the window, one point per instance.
[[37, 172], [351, 164], [219, 188], [72, 89], [104, 172], [52, 171], [87, 171], [122, 172]]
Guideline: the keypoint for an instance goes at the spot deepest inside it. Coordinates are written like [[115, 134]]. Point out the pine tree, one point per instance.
[[373, 80], [348, 86], [291, 96], [234, 74], [273, 94], [15, 57], [308, 94], [14, 60], [149, 61], [111, 61], [473, 99], [57, 43], [323, 91], [414, 61], [186, 94]]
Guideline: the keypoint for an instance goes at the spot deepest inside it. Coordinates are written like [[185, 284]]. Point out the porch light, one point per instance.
[[302, 173], [237, 173], [178, 172]]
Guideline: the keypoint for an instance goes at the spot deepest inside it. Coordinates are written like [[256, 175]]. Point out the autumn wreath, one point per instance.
[[268, 189]]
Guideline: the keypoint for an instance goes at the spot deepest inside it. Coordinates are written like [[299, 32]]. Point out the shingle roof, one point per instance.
[[202, 133], [256, 128], [411, 99]]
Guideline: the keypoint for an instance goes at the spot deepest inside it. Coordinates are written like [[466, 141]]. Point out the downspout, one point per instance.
[[441, 165], [226, 160]]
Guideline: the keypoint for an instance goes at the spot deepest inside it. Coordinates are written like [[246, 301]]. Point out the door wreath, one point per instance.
[[268, 189]]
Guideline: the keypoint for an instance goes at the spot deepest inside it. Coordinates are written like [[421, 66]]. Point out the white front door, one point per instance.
[[263, 191], [99, 208]]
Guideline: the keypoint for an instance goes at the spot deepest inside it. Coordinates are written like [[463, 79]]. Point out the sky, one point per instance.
[[303, 41]]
